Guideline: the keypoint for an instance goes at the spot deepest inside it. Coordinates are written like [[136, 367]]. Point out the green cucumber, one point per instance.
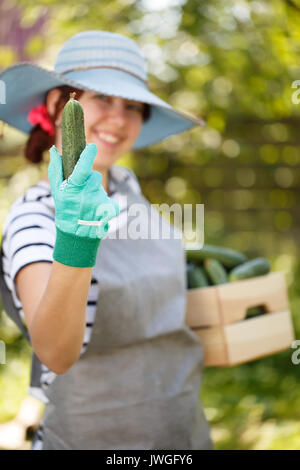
[[73, 137], [228, 257], [215, 271], [196, 277], [252, 268]]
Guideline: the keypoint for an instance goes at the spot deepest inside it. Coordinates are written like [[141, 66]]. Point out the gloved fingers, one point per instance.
[[55, 171], [102, 229], [106, 211], [84, 165], [95, 180]]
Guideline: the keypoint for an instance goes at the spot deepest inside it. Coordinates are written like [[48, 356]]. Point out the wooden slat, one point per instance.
[[214, 346], [202, 307], [247, 340], [259, 337], [235, 298], [228, 303]]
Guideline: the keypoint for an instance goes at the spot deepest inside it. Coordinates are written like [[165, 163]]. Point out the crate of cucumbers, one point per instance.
[[237, 306]]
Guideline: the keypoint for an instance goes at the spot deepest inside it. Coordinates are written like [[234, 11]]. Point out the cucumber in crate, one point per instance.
[[221, 265], [236, 306]]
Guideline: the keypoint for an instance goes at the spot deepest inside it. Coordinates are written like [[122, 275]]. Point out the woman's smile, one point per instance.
[[108, 139]]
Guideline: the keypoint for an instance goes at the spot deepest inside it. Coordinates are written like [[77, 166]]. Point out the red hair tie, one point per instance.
[[39, 115]]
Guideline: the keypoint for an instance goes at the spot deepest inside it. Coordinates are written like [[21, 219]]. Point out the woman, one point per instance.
[[113, 360]]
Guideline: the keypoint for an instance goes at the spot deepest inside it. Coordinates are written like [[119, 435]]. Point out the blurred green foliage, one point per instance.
[[232, 62]]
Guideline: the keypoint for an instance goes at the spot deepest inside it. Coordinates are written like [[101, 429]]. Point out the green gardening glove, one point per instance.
[[82, 209]]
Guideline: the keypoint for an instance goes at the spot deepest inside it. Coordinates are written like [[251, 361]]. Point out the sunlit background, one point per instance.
[[233, 63]]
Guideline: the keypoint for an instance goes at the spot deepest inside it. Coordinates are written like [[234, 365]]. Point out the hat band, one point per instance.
[[106, 67]]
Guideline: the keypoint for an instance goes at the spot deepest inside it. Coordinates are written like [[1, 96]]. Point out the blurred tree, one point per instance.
[[18, 40]]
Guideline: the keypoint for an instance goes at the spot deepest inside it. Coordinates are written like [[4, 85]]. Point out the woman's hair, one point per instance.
[[39, 140]]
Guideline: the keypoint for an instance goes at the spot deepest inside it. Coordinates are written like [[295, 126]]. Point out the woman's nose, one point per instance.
[[117, 113]]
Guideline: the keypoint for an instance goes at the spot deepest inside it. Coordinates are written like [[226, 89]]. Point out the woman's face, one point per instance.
[[112, 123]]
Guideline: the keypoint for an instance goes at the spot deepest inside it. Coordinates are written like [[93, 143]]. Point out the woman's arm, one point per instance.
[[54, 296], [54, 299]]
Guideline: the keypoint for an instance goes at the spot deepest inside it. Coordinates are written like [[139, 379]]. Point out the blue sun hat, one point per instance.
[[98, 61]]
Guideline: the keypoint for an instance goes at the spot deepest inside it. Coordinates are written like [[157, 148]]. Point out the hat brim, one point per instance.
[[26, 85]]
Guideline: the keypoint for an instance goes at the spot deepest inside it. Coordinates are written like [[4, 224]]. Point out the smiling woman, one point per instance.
[[112, 123], [95, 105], [113, 360], [39, 140]]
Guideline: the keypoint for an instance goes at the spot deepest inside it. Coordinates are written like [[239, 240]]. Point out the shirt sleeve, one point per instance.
[[28, 237]]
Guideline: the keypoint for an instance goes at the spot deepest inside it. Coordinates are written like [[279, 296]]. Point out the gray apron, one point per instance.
[[137, 385]]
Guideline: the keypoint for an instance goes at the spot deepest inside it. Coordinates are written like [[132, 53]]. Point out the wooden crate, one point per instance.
[[217, 314]]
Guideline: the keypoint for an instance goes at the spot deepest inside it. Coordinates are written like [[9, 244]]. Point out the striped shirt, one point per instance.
[[29, 236]]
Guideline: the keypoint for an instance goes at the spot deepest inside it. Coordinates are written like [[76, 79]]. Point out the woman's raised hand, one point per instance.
[[82, 206]]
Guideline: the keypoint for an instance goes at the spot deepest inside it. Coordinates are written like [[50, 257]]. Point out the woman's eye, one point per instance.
[[102, 97], [135, 107]]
